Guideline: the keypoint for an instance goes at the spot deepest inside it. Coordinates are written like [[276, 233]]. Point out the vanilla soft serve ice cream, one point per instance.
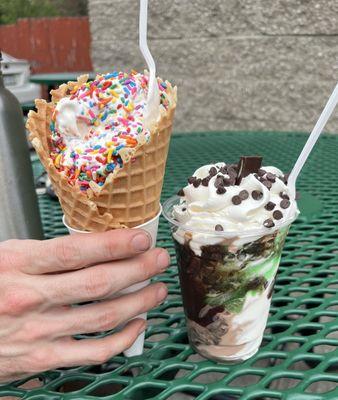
[[100, 125]]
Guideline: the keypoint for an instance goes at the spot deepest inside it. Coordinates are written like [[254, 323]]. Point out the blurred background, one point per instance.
[[239, 64]]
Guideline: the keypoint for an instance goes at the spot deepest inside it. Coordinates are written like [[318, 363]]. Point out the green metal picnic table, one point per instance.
[[55, 79], [51, 81], [298, 359]]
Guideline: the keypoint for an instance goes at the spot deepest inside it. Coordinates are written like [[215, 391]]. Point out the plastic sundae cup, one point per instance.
[[151, 227], [227, 280]]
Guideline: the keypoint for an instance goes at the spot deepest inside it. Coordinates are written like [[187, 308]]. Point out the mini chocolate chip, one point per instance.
[[224, 170], [232, 173], [270, 206], [221, 190], [261, 172], [284, 196], [197, 182], [277, 214], [212, 171], [227, 181], [256, 195], [236, 200], [271, 177], [219, 228], [267, 184], [205, 181], [180, 193], [243, 194], [285, 203], [191, 180], [219, 181], [184, 209], [268, 223]]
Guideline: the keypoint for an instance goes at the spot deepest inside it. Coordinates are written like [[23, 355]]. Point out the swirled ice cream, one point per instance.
[[215, 200], [100, 124], [229, 229]]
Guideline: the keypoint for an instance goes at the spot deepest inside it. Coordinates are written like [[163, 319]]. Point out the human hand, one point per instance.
[[40, 280]]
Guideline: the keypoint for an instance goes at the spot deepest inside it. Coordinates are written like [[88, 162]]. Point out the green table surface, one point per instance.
[[27, 106], [55, 79], [298, 359]]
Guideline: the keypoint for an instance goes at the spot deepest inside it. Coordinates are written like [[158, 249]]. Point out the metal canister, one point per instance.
[[19, 211]]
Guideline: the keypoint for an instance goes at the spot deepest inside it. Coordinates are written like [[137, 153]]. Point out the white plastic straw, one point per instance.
[[317, 130], [153, 100]]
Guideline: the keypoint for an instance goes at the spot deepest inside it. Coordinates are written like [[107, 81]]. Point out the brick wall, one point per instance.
[[238, 64]]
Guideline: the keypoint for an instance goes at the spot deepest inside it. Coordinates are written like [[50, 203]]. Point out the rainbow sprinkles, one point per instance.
[[98, 123]]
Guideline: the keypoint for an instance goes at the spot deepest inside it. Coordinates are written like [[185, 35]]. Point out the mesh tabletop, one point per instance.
[[58, 78], [298, 359]]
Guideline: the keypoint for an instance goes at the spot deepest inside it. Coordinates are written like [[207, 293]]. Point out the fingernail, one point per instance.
[[163, 260], [142, 328], [141, 242], [162, 293]]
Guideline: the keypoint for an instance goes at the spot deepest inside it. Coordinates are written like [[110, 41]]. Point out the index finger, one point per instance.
[[81, 250]]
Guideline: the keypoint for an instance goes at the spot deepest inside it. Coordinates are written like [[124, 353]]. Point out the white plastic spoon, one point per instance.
[[153, 99], [150, 117], [317, 130]]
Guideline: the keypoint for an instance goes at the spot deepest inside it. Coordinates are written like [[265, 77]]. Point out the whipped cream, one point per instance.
[[213, 202]]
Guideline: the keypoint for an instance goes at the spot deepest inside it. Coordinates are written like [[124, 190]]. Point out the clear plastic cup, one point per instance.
[[151, 227], [227, 280]]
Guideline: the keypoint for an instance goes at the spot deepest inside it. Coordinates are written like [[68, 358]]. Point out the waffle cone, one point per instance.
[[130, 195]]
